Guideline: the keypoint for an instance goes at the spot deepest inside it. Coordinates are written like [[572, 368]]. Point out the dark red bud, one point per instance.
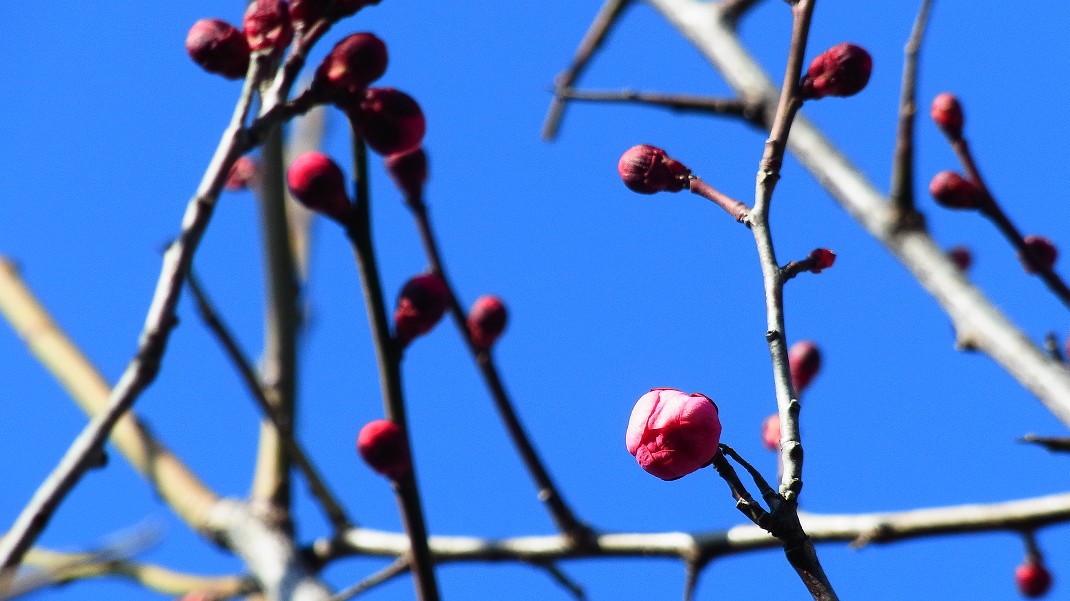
[[823, 258], [389, 120], [771, 432], [953, 191], [218, 47], [947, 114], [1043, 250], [409, 172], [350, 66], [486, 321], [317, 182], [1032, 578], [961, 257], [804, 361], [647, 169], [421, 304], [267, 26], [842, 70], [243, 174], [384, 448], [306, 12]]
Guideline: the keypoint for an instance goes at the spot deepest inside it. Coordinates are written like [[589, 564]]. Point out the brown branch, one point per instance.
[[754, 112], [902, 188], [1055, 444]]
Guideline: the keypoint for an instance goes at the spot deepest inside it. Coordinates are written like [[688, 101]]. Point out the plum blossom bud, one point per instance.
[[672, 433], [389, 120], [409, 172], [1032, 578], [486, 321], [350, 66], [218, 47], [306, 12], [823, 258], [961, 256], [647, 169], [420, 306], [267, 26], [317, 182], [804, 361], [951, 190], [771, 432], [946, 113], [842, 70], [384, 448], [1043, 250], [243, 174]]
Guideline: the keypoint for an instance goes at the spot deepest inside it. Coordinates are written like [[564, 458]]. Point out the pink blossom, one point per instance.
[[672, 433]]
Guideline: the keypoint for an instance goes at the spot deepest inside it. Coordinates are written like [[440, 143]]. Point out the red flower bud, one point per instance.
[[947, 114], [961, 256], [771, 432], [306, 12], [823, 258], [421, 304], [218, 47], [486, 321], [953, 191], [351, 65], [647, 169], [1032, 578], [317, 182], [389, 120], [842, 70], [1043, 250], [267, 26], [672, 434], [384, 448], [243, 173], [804, 361], [409, 171]]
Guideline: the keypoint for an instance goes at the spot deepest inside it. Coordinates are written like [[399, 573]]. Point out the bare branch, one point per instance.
[[754, 112], [902, 189]]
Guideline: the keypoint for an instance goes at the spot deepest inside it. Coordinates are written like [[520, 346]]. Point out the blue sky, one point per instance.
[[109, 125]]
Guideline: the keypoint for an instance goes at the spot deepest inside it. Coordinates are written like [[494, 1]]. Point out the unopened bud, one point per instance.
[[383, 446], [946, 112], [672, 433], [486, 321], [1043, 250], [317, 182], [953, 191], [350, 66], [842, 70], [961, 256], [218, 47], [1032, 578], [389, 120], [804, 361], [243, 174], [267, 26], [771, 432], [409, 172], [823, 258], [647, 169], [420, 306]]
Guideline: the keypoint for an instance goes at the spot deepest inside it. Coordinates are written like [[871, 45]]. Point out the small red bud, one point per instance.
[[267, 26], [953, 191], [961, 257], [842, 70], [1043, 250], [672, 433], [243, 174], [804, 361], [1032, 578], [383, 446], [486, 321], [647, 169], [771, 432], [947, 114], [389, 120], [409, 172], [218, 47], [350, 66], [306, 12], [823, 258], [317, 182], [420, 306]]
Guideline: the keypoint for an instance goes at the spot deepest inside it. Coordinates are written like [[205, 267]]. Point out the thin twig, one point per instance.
[[388, 358], [548, 492], [1056, 444], [751, 111], [734, 10], [1051, 344], [591, 42], [279, 421], [902, 188], [398, 567]]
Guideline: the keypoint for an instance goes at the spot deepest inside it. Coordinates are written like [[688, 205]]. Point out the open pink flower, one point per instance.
[[672, 433]]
